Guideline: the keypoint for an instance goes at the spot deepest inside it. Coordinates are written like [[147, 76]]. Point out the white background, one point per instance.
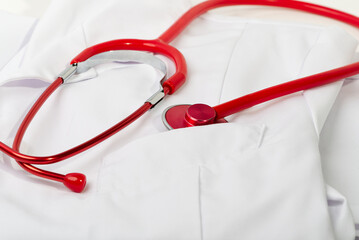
[[35, 8]]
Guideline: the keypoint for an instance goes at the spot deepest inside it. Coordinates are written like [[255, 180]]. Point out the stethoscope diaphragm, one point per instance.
[[186, 115]]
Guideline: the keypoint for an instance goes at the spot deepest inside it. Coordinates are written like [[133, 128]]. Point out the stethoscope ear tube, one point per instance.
[[171, 85], [77, 181]]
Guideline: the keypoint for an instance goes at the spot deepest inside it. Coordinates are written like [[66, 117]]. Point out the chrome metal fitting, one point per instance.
[[156, 98], [68, 72]]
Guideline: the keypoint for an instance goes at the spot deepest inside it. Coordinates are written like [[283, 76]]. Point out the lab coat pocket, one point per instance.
[[224, 181], [150, 189]]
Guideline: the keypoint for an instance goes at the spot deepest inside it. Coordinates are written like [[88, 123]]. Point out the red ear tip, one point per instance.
[[75, 182]]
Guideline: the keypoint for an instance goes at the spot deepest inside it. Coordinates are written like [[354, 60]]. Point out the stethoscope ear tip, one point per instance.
[[76, 182]]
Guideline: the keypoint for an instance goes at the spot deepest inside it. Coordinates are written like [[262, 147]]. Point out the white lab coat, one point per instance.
[[260, 176]]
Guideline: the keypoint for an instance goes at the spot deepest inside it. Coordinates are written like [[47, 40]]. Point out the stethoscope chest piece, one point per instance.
[[182, 116], [179, 116]]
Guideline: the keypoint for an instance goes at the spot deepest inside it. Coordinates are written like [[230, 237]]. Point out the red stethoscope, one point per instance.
[[178, 116]]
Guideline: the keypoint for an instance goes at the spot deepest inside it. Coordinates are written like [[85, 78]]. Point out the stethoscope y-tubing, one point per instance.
[[250, 100], [160, 45], [172, 32]]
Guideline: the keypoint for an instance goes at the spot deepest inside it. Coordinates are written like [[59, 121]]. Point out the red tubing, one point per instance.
[[74, 181], [250, 100], [201, 8], [77, 181], [270, 93], [156, 46]]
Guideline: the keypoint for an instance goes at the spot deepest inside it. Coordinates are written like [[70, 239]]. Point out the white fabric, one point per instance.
[[338, 145], [15, 31], [258, 177]]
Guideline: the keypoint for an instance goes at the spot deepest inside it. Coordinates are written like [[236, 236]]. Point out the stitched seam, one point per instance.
[[84, 35], [229, 61], [200, 202], [299, 74], [25, 41], [232, 19], [309, 51]]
